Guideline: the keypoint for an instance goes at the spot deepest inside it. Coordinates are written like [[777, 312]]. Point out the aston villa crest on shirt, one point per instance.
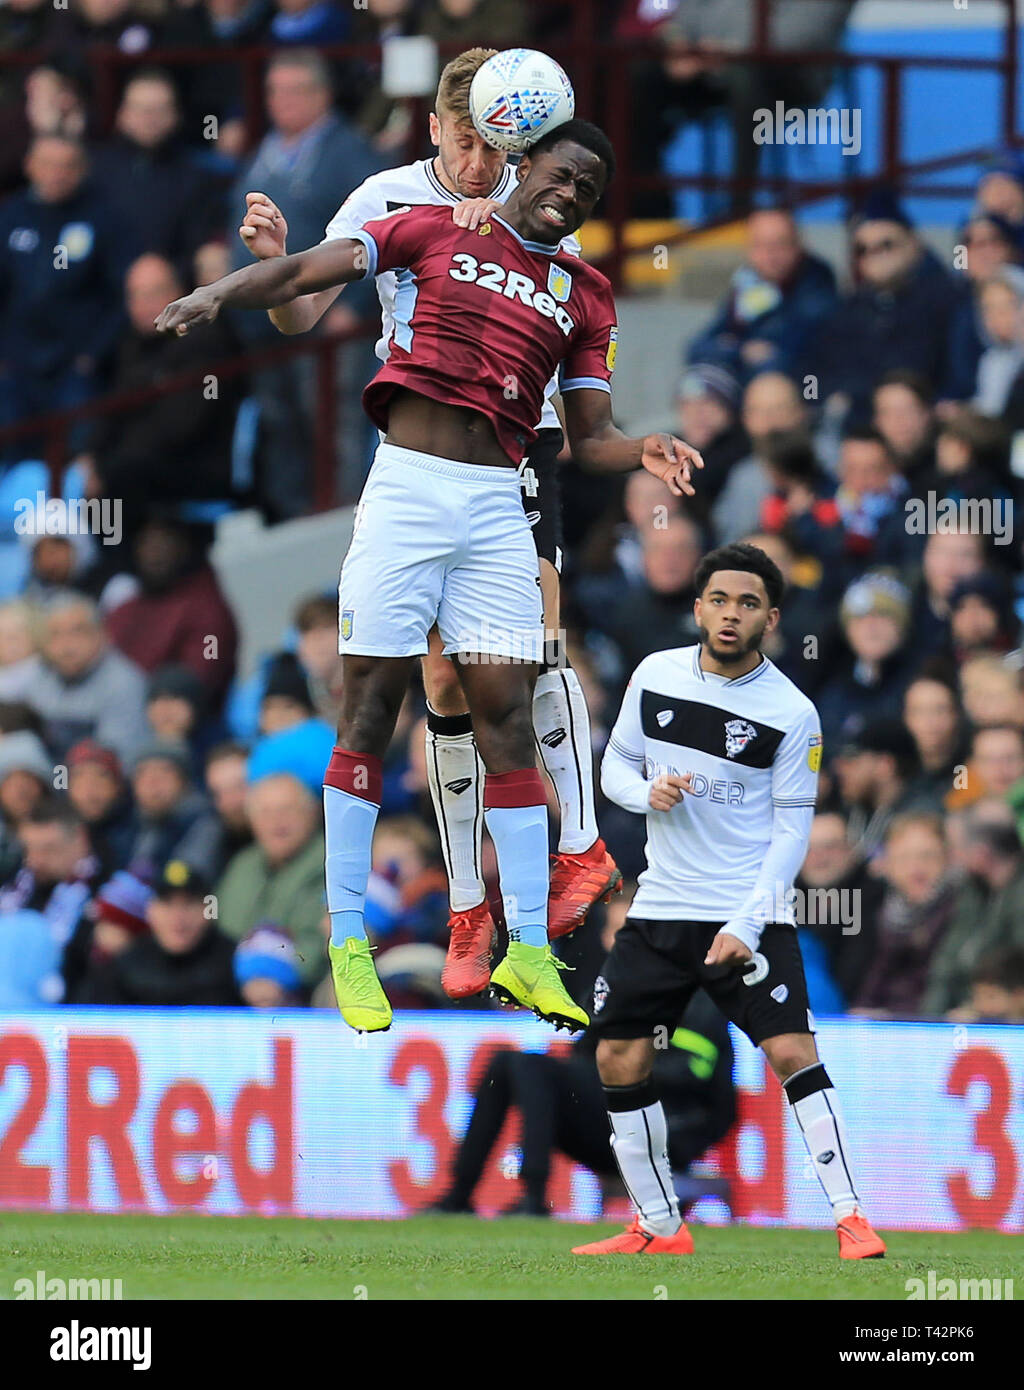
[[347, 623], [738, 734], [559, 283]]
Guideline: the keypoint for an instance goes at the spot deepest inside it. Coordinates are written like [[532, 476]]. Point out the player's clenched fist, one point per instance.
[[201, 306], [264, 229], [672, 461], [667, 790]]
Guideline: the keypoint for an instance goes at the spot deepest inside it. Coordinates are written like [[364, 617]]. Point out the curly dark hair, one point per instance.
[[747, 558]]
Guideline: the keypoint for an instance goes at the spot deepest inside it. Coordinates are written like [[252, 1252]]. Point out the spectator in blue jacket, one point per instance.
[[775, 301], [62, 263]]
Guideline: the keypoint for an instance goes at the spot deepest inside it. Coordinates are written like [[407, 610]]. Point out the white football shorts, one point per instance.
[[438, 541]]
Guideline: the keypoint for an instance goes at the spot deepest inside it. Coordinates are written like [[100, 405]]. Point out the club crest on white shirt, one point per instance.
[[738, 734]]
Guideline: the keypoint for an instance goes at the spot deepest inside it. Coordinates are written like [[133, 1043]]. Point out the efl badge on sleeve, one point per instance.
[[613, 349], [814, 752], [559, 284], [347, 620]]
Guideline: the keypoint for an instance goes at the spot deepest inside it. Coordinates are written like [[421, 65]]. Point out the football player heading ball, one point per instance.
[[464, 170], [441, 534]]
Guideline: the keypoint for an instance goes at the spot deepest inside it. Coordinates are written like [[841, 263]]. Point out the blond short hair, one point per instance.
[[456, 78]]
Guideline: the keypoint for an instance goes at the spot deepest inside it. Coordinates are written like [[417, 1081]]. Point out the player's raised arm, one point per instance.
[[268, 284], [599, 446], [264, 231]]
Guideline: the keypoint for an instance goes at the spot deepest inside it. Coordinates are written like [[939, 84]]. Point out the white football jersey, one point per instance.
[[416, 184], [752, 744]]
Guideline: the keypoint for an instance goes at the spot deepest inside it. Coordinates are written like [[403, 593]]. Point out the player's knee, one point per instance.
[[790, 1053], [371, 701], [623, 1061], [444, 693], [504, 729]]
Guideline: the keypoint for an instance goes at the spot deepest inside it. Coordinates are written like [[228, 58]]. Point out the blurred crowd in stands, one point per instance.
[[160, 829]]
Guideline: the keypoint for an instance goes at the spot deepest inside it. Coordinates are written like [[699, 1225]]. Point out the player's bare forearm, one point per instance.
[[300, 315], [598, 446], [268, 284]]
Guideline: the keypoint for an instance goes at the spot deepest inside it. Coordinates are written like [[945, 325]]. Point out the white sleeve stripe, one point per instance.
[[624, 751], [586, 383]]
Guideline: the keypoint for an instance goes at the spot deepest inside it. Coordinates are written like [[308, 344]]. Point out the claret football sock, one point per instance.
[[352, 792], [455, 775], [815, 1107], [517, 821], [561, 723], [640, 1147]]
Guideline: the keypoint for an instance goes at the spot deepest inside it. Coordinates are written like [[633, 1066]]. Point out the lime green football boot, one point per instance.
[[360, 995], [529, 976]]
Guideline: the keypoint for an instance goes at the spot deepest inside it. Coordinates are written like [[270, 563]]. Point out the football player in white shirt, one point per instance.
[[474, 178], [721, 752]]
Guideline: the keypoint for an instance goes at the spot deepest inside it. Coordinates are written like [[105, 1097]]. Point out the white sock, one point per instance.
[[456, 775], [815, 1107], [561, 723], [640, 1148]]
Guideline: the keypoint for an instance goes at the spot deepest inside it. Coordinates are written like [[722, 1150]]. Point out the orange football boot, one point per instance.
[[634, 1240], [857, 1241], [577, 882], [467, 966]]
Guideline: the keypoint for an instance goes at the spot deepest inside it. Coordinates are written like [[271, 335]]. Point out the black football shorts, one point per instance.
[[654, 968], [542, 494]]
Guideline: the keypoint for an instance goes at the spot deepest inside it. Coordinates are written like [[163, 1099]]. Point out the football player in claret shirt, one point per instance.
[[440, 534], [721, 752], [474, 180]]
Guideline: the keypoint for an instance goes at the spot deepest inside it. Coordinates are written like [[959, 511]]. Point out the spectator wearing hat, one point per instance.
[[775, 301], [871, 669], [176, 709], [876, 772], [913, 917], [118, 914], [183, 961], [180, 615], [85, 688], [707, 412], [26, 775], [293, 738], [898, 314], [174, 818], [57, 878], [267, 968], [99, 793], [280, 877], [981, 616], [989, 910]]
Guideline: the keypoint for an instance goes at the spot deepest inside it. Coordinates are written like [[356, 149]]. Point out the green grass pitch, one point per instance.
[[435, 1257]]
